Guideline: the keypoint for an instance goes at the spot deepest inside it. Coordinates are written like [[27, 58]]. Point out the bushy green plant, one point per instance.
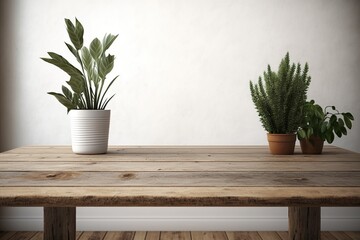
[[87, 85], [324, 123], [280, 100]]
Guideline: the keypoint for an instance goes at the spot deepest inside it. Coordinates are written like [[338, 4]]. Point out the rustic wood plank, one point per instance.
[[176, 157], [243, 236], [207, 157], [92, 236], [328, 149], [22, 236], [283, 235], [180, 166], [327, 236], [208, 236], [265, 235], [181, 179], [353, 235], [179, 196], [175, 236], [6, 235], [340, 235], [38, 236], [152, 235], [148, 149], [59, 223], [139, 235], [304, 223], [119, 236], [78, 234]]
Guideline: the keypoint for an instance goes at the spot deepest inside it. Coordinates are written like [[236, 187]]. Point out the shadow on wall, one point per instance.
[[6, 74]]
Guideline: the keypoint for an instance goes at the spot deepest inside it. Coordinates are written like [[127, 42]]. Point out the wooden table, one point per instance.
[[59, 180]]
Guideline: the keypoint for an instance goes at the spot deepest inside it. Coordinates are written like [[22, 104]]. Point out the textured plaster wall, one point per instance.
[[184, 72]]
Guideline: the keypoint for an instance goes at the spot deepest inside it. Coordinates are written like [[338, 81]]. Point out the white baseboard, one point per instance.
[[180, 219], [107, 224]]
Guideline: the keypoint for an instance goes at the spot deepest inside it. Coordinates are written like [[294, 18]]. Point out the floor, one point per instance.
[[179, 235]]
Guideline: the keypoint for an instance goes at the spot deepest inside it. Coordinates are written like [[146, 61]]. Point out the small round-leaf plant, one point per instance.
[[279, 96], [323, 123], [87, 84]]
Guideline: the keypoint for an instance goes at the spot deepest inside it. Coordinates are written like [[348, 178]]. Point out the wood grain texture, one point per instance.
[[208, 236], [243, 236], [179, 196], [152, 235], [92, 236], [59, 223], [180, 179], [283, 235], [140, 235], [269, 235], [119, 236], [6, 235], [22, 236], [196, 166], [178, 176], [175, 236], [354, 235], [327, 236], [304, 223], [341, 235]]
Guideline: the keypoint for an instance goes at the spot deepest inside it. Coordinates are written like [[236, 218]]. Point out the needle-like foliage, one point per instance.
[[279, 97], [87, 84]]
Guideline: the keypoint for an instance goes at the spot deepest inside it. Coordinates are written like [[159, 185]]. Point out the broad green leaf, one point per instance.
[[106, 65], [79, 31], [63, 100], [67, 92], [329, 137], [333, 119], [76, 99], [323, 127], [350, 116], [71, 49], [348, 122], [338, 132], [63, 64], [301, 134], [309, 132], [86, 58], [96, 48], [76, 84], [343, 130], [94, 76], [341, 122], [75, 34], [108, 40]]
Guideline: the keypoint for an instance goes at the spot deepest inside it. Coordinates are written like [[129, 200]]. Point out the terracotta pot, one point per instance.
[[313, 145], [281, 144]]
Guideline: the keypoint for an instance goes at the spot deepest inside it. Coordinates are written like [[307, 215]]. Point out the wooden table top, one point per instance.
[[178, 176]]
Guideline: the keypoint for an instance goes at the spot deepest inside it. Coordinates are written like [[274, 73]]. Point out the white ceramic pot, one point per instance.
[[90, 131]]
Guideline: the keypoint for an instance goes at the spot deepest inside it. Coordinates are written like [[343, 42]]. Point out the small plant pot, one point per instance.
[[313, 145], [281, 144], [90, 131]]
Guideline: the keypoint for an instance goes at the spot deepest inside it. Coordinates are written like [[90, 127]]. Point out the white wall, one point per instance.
[[184, 72]]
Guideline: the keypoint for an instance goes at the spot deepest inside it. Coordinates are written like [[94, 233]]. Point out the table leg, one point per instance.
[[59, 223], [304, 223]]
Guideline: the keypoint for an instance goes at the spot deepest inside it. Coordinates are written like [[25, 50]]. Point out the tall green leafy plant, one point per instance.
[[279, 96], [87, 84]]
